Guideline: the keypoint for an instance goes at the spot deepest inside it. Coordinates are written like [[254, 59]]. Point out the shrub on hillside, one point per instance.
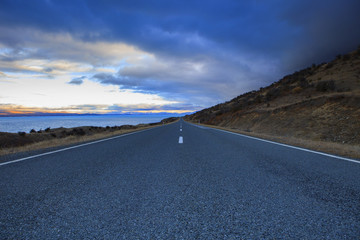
[[258, 99], [78, 132], [64, 133], [22, 134], [358, 51], [303, 83], [326, 86], [346, 57], [219, 112], [272, 94], [329, 65], [297, 90]]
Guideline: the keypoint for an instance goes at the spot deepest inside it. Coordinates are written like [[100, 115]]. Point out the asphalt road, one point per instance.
[[147, 185]]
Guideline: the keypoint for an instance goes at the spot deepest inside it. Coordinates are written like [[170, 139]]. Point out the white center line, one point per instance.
[[180, 130], [181, 139]]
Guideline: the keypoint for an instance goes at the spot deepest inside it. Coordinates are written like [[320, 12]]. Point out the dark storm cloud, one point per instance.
[[277, 36], [325, 29], [167, 26]]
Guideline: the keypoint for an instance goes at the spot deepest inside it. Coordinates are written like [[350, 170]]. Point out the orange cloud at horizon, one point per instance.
[[22, 110], [9, 109]]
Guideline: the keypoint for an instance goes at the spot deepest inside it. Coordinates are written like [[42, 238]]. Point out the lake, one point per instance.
[[25, 124]]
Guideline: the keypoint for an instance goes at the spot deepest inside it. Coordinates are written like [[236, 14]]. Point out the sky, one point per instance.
[[144, 56]]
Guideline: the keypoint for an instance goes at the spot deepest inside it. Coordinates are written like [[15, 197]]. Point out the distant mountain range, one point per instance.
[[320, 103]]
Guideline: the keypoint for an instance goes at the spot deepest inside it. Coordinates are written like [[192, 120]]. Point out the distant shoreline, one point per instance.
[[25, 124]]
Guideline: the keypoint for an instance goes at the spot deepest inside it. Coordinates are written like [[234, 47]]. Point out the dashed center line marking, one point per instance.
[[181, 140], [180, 130]]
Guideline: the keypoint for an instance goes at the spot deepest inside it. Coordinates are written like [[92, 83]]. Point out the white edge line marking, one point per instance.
[[181, 139], [282, 144], [77, 146]]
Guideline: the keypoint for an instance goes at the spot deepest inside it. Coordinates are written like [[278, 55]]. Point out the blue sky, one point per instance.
[[160, 56]]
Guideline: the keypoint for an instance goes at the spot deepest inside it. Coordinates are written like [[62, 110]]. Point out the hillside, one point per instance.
[[320, 103]]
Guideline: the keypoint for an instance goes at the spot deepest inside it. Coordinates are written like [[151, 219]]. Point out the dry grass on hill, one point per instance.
[[319, 105]]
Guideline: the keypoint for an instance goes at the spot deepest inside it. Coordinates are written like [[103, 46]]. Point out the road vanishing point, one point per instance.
[[179, 181]]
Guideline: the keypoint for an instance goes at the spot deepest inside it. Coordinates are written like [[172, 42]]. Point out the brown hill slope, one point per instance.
[[320, 103]]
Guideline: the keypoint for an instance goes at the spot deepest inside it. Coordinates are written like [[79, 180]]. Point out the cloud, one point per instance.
[[189, 51], [10, 109], [171, 28], [37, 44], [133, 108], [77, 81], [204, 80]]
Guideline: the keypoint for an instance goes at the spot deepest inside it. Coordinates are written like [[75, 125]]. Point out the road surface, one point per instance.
[[180, 181]]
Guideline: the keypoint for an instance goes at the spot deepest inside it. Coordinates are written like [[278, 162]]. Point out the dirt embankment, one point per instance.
[[34, 140], [318, 108]]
